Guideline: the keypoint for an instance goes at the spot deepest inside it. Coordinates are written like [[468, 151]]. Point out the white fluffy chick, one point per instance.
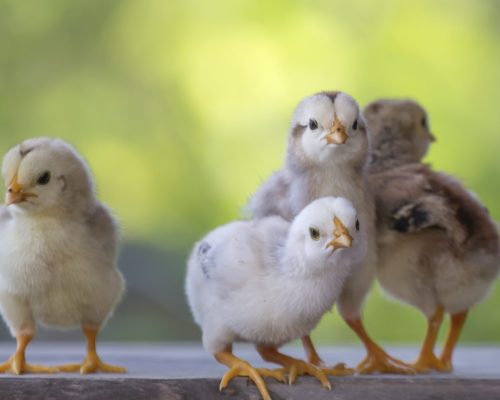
[[327, 156], [269, 281], [58, 251], [438, 247]]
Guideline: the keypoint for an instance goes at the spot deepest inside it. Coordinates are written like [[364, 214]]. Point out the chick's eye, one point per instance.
[[44, 178], [355, 125], [313, 124], [424, 122], [314, 233], [357, 224]]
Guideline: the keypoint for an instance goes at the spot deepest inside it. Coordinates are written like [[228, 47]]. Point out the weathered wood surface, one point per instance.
[[185, 371]]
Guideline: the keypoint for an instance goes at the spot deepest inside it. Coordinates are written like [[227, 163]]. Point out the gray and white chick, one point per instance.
[[399, 133], [438, 247], [269, 281], [58, 251], [328, 156]]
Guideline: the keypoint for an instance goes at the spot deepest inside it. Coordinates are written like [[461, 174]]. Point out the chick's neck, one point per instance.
[[390, 153]]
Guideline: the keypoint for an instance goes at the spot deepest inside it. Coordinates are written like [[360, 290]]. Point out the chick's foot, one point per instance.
[[339, 369], [428, 362], [294, 367], [313, 357], [240, 368], [17, 365], [297, 368], [92, 364], [379, 361], [446, 365]]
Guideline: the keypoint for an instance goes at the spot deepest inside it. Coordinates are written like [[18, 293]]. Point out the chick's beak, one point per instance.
[[432, 138], [342, 237], [16, 193], [337, 133]]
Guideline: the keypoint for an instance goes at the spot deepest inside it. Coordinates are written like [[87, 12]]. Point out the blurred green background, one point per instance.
[[182, 108]]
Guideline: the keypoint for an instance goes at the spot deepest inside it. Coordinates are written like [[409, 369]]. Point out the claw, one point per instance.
[[384, 363], [428, 362], [313, 357], [293, 366], [377, 360], [299, 368], [446, 365], [238, 367], [278, 373], [92, 362], [339, 369], [16, 364], [244, 369]]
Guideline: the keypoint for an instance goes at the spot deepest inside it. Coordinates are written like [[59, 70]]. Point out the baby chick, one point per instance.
[[327, 156], [399, 133], [269, 281], [438, 247], [58, 251]]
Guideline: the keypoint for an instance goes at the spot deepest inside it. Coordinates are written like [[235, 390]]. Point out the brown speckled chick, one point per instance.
[[438, 247]]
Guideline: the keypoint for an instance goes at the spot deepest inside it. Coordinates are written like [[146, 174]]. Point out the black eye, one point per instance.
[[355, 125], [44, 178], [314, 233], [357, 224], [424, 122], [313, 124]]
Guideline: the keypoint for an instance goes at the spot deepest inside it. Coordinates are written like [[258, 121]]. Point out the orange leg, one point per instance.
[[293, 366], [457, 323], [311, 353], [377, 360], [427, 359], [92, 362], [17, 364], [313, 357], [238, 367]]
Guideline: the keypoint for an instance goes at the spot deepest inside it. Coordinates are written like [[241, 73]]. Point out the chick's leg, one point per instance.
[[313, 357], [426, 359], [377, 360], [293, 366], [92, 362], [457, 323], [16, 364], [238, 367]]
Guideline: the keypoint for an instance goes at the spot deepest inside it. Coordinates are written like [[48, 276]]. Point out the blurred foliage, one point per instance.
[[182, 108]]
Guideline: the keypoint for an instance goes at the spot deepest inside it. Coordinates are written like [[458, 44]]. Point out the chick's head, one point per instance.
[[45, 175], [327, 128], [327, 232], [402, 125]]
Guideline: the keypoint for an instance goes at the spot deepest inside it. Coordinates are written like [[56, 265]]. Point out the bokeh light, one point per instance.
[[182, 108]]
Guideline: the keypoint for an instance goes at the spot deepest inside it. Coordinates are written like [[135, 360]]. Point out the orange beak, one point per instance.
[[16, 193], [337, 134], [342, 237]]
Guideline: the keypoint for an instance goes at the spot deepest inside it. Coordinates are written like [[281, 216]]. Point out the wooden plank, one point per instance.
[[186, 371]]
